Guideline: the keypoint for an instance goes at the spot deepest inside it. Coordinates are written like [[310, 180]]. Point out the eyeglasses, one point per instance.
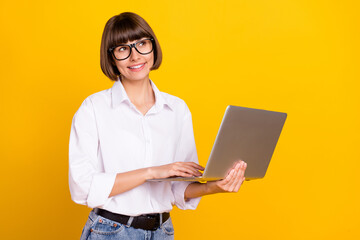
[[123, 51]]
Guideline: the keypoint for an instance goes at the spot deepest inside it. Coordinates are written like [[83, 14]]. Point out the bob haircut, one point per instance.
[[120, 29]]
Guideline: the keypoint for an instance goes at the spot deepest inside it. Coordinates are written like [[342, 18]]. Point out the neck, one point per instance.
[[140, 92]]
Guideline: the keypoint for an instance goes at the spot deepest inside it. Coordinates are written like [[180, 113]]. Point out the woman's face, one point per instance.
[[137, 66]]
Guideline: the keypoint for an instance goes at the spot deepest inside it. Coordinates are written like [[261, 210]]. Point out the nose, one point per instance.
[[134, 55]]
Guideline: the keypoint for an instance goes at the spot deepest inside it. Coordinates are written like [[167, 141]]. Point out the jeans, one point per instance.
[[100, 228]]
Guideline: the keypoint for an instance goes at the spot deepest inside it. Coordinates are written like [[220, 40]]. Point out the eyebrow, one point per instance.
[[125, 44]]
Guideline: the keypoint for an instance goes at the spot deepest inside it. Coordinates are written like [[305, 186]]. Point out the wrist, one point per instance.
[[149, 173], [211, 187]]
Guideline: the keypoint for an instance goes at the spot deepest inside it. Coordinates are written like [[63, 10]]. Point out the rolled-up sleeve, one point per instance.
[[186, 152], [89, 185]]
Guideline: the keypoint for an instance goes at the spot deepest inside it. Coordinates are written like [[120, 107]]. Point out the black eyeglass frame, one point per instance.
[[133, 45]]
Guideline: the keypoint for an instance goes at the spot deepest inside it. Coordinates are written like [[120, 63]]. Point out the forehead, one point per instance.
[[133, 41], [126, 32]]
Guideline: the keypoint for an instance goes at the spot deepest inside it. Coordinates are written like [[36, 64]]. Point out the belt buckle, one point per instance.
[[155, 221]]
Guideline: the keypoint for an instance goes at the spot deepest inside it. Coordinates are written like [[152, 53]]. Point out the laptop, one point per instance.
[[245, 134]]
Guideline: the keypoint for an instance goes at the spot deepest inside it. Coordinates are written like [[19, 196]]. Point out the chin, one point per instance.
[[136, 78]]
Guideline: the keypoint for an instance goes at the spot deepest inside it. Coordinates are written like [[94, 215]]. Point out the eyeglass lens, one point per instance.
[[142, 46]]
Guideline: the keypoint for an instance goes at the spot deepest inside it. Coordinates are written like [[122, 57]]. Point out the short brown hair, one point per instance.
[[120, 29]]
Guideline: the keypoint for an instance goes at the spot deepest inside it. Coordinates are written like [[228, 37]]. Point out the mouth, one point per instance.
[[136, 68]]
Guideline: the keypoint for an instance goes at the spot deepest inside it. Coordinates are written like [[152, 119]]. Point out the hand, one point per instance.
[[179, 169], [232, 182]]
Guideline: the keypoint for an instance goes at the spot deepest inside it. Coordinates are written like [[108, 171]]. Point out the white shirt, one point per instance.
[[109, 136]]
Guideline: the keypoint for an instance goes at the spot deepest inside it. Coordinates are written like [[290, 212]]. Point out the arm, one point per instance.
[[231, 183], [129, 180], [185, 152], [88, 183]]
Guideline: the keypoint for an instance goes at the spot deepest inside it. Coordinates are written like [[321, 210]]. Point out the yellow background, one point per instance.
[[293, 56]]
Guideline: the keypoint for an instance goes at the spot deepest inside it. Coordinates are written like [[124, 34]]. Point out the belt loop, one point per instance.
[[130, 221], [161, 218]]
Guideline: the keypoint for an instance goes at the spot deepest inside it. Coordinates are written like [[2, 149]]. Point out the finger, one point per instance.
[[237, 188], [187, 169], [182, 174], [243, 168], [242, 177], [194, 170], [238, 181], [180, 171], [188, 164], [236, 163], [235, 178], [195, 165], [224, 184]]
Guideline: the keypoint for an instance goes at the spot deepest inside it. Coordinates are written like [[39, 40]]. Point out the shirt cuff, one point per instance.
[[179, 194], [100, 189]]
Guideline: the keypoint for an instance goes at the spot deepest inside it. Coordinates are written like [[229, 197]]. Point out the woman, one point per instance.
[[123, 136]]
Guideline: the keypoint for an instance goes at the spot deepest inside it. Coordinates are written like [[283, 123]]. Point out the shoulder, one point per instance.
[[99, 98], [95, 101]]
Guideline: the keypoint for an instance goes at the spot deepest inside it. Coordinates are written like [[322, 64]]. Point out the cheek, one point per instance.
[[151, 60], [120, 67]]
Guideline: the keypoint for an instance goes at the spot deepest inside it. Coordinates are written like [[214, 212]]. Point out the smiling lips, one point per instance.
[[137, 68]]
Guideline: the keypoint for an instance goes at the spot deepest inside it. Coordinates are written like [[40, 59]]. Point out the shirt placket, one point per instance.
[[148, 141]]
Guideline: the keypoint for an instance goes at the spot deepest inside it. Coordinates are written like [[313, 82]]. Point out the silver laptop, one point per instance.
[[245, 134]]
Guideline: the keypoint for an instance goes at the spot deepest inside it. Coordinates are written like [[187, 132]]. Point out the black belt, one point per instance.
[[146, 222]]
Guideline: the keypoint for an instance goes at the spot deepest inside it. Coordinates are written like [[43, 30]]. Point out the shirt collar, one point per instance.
[[119, 95]]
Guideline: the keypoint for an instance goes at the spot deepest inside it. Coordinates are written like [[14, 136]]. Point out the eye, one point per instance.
[[121, 48], [142, 43]]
